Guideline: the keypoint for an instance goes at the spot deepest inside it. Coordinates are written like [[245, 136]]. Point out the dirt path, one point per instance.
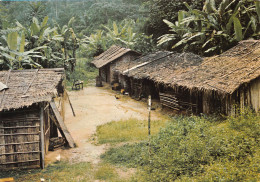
[[95, 106]]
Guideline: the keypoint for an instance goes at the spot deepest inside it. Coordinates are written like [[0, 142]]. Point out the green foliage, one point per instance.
[[166, 9], [196, 149], [38, 45], [213, 29], [83, 71], [125, 33], [129, 155]]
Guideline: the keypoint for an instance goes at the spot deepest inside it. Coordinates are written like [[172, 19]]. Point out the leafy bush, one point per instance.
[[129, 155], [197, 149]]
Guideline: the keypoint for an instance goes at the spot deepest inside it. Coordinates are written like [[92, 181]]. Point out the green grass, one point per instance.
[[66, 172], [105, 172], [130, 130], [196, 149], [56, 172]]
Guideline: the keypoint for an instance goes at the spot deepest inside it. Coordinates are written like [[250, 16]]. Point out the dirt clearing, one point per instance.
[[96, 106]]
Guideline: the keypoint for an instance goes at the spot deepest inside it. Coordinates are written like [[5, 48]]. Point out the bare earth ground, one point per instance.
[[95, 106]]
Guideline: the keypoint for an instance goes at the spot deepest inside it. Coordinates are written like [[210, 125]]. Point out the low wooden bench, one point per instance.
[[77, 84]]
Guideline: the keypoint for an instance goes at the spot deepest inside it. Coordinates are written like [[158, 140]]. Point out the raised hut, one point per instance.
[[29, 116], [107, 61]]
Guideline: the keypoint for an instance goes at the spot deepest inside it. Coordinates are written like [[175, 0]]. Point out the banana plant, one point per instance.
[[213, 29], [69, 43], [14, 54]]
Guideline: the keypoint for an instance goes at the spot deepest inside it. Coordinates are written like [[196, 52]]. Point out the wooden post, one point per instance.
[[149, 125], [70, 103], [42, 137], [149, 115]]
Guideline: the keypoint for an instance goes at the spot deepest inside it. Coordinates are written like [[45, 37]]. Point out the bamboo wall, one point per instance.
[[20, 139], [249, 95]]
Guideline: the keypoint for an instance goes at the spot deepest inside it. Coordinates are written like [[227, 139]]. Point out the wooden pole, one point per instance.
[[149, 125], [42, 137], [70, 104], [149, 115]]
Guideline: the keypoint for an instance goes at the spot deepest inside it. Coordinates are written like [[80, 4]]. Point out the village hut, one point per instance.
[[29, 116], [107, 61], [122, 68], [148, 78], [225, 82]]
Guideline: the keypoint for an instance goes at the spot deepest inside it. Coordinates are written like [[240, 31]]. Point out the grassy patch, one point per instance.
[[105, 172], [65, 172], [57, 172], [197, 149], [129, 155], [126, 131]]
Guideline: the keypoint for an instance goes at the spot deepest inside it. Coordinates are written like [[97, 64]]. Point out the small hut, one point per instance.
[[29, 116], [106, 62]]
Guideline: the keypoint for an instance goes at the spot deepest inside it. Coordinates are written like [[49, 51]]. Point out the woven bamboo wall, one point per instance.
[[20, 139]]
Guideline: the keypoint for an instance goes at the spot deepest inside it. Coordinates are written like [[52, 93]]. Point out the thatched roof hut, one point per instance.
[[29, 116], [211, 85], [110, 58], [110, 55], [28, 87], [224, 73]]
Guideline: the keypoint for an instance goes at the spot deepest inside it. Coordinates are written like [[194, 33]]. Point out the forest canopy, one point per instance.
[[53, 33]]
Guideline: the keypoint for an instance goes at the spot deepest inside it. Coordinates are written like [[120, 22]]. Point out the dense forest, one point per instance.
[[54, 33]]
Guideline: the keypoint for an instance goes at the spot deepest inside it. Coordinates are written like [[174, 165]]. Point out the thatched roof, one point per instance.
[[113, 53], [26, 87], [224, 73], [125, 65], [164, 67]]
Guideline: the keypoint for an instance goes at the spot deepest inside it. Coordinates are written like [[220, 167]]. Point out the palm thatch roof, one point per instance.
[[164, 67], [127, 65], [26, 87], [224, 73], [113, 53]]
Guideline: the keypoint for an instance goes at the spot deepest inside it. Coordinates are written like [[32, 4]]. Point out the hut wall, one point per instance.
[[180, 99], [255, 94], [249, 95], [114, 75], [105, 73], [20, 137]]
